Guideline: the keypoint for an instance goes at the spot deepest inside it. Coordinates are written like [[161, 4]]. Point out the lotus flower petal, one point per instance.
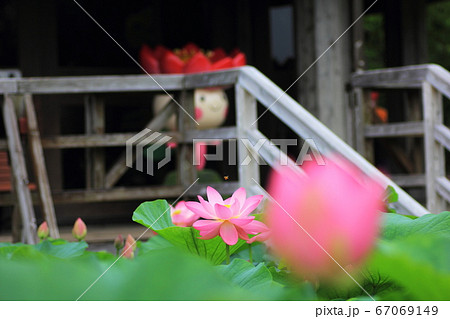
[[228, 233], [198, 209], [213, 196]]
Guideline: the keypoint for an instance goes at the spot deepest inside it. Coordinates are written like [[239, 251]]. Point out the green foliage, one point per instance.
[[156, 216], [391, 195], [409, 259], [374, 41], [418, 265], [398, 226], [438, 28], [410, 262], [162, 275], [61, 248], [245, 275]]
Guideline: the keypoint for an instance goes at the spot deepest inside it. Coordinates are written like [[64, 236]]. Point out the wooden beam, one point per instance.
[[187, 173], [119, 139], [410, 180], [394, 129], [402, 77], [269, 152], [157, 123], [126, 193], [95, 158], [246, 117], [86, 141], [442, 135], [40, 169], [434, 152], [443, 188], [19, 172], [121, 83], [307, 126]]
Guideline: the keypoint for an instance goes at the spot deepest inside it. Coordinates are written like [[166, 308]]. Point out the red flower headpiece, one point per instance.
[[189, 59]]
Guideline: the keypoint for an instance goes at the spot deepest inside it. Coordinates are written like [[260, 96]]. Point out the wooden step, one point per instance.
[[5, 174]]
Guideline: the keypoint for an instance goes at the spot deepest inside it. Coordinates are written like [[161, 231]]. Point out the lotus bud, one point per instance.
[[79, 230], [127, 251], [130, 241], [119, 242], [43, 231]]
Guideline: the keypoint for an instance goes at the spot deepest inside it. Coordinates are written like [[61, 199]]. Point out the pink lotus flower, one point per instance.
[[336, 204], [228, 218], [43, 231], [128, 251], [79, 230], [130, 242], [182, 216]]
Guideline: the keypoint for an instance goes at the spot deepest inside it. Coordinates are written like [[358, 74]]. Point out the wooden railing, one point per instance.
[[433, 82], [250, 86]]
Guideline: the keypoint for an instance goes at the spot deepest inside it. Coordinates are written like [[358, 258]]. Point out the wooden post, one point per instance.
[[358, 36], [434, 152], [246, 115], [322, 87], [306, 53], [16, 224], [413, 113], [362, 117], [187, 172], [20, 176], [40, 169], [95, 158]]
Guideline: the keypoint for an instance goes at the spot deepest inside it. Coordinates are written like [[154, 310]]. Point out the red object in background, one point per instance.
[[217, 54], [23, 125], [170, 63], [189, 59], [380, 112], [374, 95]]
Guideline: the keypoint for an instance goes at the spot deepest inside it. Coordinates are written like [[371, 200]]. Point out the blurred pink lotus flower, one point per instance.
[[128, 251], [336, 204], [228, 218], [182, 216], [130, 242], [43, 231], [79, 230]]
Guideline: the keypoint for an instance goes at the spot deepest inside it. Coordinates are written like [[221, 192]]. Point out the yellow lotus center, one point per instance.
[[176, 212], [227, 206]]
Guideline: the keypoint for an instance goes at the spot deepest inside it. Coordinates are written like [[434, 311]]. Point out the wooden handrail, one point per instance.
[[245, 78], [405, 77], [434, 82]]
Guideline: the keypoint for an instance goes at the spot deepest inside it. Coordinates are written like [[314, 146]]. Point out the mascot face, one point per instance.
[[211, 107]]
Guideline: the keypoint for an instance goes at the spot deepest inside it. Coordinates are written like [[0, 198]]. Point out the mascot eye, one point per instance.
[[202, 98]]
